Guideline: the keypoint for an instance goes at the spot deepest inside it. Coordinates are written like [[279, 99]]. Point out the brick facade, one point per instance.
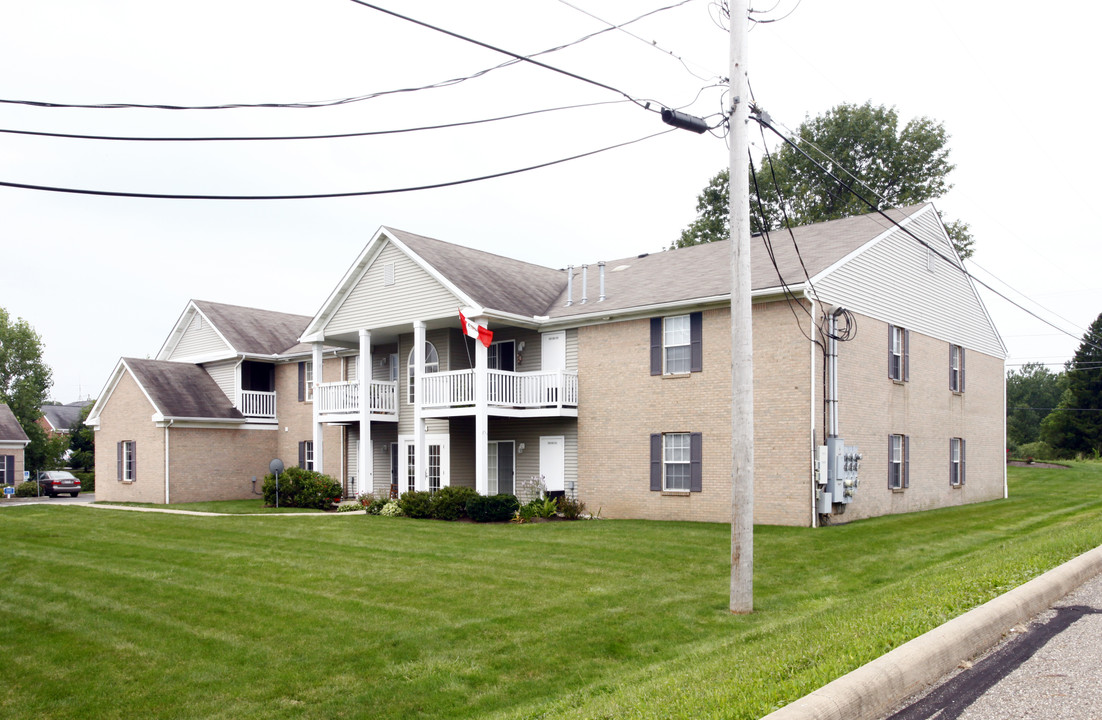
[[127, 417]]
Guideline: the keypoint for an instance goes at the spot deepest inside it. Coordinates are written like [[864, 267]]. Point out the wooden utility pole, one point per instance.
[[742, 347]]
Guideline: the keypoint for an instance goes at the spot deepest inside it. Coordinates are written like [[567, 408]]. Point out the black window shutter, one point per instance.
[[906, 355], [302, 382], [302, 455], [891, 352], [962, 461], [9, 469], [906, 461], [960, 381], [951, 384], [656, 462], [696, 461], [951, 463], [118, 460], [656, 346], [696, 342]]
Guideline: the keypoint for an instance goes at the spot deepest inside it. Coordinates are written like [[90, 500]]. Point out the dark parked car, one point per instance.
[[56, 482]]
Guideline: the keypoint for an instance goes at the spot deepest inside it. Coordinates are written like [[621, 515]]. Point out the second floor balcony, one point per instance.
[[342, 399]]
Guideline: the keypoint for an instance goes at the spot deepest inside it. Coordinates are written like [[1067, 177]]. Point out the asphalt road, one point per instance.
[[1050, 669], [66, 500]]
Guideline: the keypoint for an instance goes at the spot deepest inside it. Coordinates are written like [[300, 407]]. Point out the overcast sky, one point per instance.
[[101, 277]]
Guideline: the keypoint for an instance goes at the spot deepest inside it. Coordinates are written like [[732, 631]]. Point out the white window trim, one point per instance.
[[430, 367], [956, 479], [956, 370], [308, 380], [686, 463], [128, 461], [687, 345], [899, 340], [895, 462]]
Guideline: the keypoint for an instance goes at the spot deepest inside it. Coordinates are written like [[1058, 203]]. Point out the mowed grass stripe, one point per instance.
[[352, 616]]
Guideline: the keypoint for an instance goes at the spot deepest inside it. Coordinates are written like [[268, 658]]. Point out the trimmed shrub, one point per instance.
[[87, 481], [450, 503], [492, 508], [571, 508], [302, 488], [350, 506], [376, 506], [416, 504], [27, 489], [1039, 450]]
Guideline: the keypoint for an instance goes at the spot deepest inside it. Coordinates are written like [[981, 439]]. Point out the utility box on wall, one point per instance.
[[837, 478]]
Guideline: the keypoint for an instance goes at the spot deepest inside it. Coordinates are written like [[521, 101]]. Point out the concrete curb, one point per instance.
[[873, 689]]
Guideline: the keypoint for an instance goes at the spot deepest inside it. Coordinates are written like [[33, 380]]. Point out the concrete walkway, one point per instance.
[[871, 691]]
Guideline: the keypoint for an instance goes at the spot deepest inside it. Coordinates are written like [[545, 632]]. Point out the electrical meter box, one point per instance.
[[837, 474]]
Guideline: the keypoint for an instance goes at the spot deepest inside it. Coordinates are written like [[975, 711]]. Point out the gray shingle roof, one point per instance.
[[253, 331], [10, 429], [493, 281], [182, 390], [62, 417]]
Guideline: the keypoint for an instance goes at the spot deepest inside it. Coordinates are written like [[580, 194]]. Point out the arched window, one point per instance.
[[432, 364]]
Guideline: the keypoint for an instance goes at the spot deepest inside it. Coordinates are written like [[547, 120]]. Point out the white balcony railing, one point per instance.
[[503, 389], [344, 397], [255, 403]]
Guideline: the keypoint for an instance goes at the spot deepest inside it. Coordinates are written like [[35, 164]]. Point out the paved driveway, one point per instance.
[[66, 500]]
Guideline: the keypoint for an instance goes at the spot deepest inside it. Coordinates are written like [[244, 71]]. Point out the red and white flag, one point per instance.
[[472, 329]]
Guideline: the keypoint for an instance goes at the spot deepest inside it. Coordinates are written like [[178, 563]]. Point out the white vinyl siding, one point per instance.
[[225, 374], [199, 341], [889, 281], [351, 467], [415, 294]]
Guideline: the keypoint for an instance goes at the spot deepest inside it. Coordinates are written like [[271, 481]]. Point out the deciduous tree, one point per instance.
[[24, 381], [891, 166]]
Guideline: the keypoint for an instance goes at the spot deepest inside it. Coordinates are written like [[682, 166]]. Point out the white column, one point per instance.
[[481, 416], [420, 455], [365, 457], [319, 442]]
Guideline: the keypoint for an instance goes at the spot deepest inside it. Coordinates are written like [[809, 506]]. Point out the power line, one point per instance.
[[515, 58], [331, 136], [315, 196], [758, 117]]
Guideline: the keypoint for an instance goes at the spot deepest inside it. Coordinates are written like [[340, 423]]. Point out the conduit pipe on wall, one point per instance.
[[169, 425]]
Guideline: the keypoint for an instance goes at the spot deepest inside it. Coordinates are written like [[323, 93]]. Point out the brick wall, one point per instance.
[[296, 419], [621, 404], [212, 464], [872, 407], [127, 416]]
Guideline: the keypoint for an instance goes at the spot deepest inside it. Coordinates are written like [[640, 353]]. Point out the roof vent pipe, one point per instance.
[[585, 281], [601, 265], [569, 285]]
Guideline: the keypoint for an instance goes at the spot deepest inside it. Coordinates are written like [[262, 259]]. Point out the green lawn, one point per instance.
[[111, 614], [225, 507]]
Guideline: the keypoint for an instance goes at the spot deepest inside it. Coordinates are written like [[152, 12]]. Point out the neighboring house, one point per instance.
[[13, 441], [611, 381], [60, 419]]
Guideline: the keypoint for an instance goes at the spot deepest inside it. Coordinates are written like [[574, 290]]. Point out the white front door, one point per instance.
[[553, 351], [438, 464], [553, 462]]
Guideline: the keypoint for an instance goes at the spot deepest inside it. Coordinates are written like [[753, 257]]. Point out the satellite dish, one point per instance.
[[275, 466]]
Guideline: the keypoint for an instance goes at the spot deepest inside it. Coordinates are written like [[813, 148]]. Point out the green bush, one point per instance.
[[1039, 450], [391, 509], [87, 481], [416, 504], [27, 489], [302, 488], [350, 506], [375, 507], [492, 508], [450, 503], [571, 508]]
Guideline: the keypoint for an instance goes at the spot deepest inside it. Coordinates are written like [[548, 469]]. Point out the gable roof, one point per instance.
[[62, 417], [244, 330], [181, 390], [10, 429]]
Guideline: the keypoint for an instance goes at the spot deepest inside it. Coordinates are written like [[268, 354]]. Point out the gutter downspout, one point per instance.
[[169, 425], [812, 393]]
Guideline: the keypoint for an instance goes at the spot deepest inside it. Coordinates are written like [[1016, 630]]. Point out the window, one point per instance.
[[411, 471], [956, 462], [676, 462], [899, 342], [956, 368], [306, 381], [898, 462], [306, 454], [127, 461], [502, 356], [432, 364], [7, 469], [676, 346]]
